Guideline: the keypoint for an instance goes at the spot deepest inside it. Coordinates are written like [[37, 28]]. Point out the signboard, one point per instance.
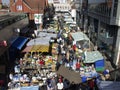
[[38, 18]]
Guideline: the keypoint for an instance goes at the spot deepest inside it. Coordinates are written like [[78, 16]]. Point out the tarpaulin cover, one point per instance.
[[47, 35], [38, 41], [78, 36], [92, 56]]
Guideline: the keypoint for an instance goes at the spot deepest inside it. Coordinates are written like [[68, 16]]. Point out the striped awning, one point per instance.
[[39, 48]]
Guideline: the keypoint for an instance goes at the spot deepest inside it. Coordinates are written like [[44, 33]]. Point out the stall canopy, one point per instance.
[[78, 36], [38, 41], [40, 48], [46, 35], [92, 56], [30, 88], [37, 48], [43, 39], [40, 44]]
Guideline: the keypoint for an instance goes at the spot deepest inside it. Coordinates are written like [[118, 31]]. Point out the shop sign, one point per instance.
[[3, 43], [38, 18]]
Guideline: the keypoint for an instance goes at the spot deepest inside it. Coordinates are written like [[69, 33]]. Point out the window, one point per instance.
[[19, 7], [115, 8]]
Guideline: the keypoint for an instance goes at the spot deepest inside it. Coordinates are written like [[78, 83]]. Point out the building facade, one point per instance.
[[101, 20], [61, 5], [9, 23], [30, 7]]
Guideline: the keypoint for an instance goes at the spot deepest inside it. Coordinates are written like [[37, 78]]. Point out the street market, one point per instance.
[[63, 53]]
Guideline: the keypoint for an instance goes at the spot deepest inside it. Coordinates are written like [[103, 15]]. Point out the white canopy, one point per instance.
[[38, 41], [78, 36], [43, 39], [47, 35], [92, 56]]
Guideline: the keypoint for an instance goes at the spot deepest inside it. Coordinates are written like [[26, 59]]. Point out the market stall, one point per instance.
[[78, 36], [40, 48], [96, 58]]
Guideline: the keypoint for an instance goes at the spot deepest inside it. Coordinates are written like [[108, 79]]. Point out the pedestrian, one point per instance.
[[74, 47], [70, 64], [78, 66], [53, 83], [11, 76], [60, 85], [49, 86], [57, 65], [17, 69], [66, 84], [91, 84]]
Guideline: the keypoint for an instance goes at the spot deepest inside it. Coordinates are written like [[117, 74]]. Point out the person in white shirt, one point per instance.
[[60, 85], [11, 76], [17, 69]]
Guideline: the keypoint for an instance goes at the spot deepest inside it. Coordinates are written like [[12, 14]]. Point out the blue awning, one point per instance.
[[19, 42]]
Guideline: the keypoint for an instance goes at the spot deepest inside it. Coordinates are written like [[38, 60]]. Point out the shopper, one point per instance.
[[60, 85]]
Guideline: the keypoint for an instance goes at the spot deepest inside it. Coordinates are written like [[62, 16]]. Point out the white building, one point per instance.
[[62, 7]]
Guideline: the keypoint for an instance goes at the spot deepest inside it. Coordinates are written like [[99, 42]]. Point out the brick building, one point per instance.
[[29, 6]]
